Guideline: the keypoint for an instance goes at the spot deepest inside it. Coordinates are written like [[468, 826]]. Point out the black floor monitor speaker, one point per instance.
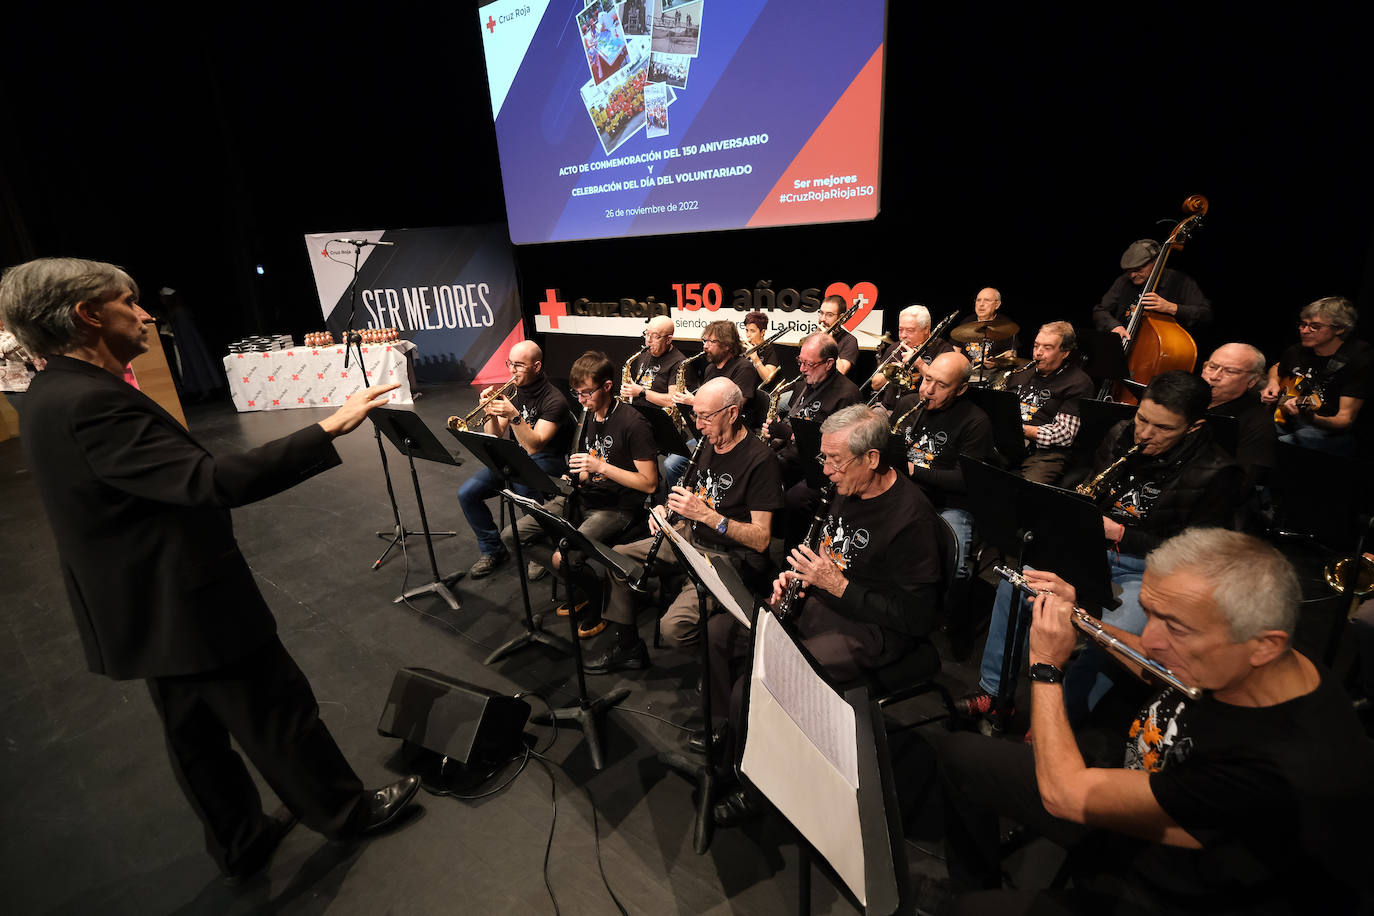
[[467, 724]]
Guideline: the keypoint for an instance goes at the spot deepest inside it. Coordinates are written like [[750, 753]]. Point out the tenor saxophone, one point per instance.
[[672, 410], [1100, 485]]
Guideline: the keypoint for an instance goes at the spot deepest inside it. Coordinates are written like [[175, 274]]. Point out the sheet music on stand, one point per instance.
[[722, 592], [801, 751]]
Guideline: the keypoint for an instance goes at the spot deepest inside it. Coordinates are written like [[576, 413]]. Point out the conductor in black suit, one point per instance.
[[140, 512]]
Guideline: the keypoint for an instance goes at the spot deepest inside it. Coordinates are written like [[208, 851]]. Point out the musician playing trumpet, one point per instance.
[[1250, 799], [1176, 477], [537, 415], [870, 580]]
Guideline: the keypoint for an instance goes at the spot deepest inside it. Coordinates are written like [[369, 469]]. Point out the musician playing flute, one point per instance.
[[726, 505], [1178, 478], [870, 580], [1250, 799]]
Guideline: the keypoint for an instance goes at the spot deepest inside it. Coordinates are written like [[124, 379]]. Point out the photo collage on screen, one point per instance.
[[639, 53]]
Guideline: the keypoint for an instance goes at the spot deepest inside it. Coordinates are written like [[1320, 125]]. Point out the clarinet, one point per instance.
[[573, 508], [637, 585], [785, 607]]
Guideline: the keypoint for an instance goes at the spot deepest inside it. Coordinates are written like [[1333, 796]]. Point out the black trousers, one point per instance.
[[265, 703]]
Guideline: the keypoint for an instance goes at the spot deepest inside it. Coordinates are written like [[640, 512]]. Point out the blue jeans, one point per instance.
[[674, 466], [961, 520], [1126, 572], [1322, 440], [485, 484]]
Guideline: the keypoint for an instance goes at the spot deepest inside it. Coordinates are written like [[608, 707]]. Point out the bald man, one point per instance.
[[1236, 372], [537, 416], [985, 307], [654, 370]]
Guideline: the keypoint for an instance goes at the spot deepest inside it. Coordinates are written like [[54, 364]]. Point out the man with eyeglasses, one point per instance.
[[913, 329], [655, 369], [537, 416], [726, 507], [617, 464], [1235, 371], [1176, 294], [832, 307], [1336, 368], [869, 584], [720, 340]]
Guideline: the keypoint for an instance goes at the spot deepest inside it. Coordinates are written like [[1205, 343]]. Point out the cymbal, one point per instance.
[[882, 338], [977, 331], [1009, 362]]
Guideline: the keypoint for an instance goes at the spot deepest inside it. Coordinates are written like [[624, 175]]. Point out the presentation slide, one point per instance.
[[645, 117]]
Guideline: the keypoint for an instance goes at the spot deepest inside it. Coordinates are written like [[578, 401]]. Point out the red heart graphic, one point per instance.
[[867, 290]]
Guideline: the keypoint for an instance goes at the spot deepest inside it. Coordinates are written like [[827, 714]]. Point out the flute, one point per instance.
[[1092, 627]]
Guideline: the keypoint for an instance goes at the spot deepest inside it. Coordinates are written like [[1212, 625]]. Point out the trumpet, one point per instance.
[[626, 377], [463, 424], [1144, 667]]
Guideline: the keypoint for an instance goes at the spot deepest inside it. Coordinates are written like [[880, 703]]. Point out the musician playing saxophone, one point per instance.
[[1250, 799], [720, 340], [870, 582], [726, 504], [1179, 478], [654, 370]]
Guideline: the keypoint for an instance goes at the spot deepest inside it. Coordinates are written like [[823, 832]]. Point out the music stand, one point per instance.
[[1004, 413], [1225, 431], [409, 434], [666, 436], [1102, 355], [1040, 526], [399, 533], [1095, 417], [576, 549], [509, 461], [806, 435]]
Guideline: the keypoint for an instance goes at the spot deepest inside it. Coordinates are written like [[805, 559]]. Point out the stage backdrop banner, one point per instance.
[[450, 290]]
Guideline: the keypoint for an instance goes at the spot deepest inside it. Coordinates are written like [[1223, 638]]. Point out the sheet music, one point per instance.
[[703, 568], [821, 713]]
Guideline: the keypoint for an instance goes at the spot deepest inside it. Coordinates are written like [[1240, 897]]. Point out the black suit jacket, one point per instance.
[[140, 512]]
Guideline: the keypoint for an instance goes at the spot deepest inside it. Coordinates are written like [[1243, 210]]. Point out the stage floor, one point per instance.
[[94, 822]]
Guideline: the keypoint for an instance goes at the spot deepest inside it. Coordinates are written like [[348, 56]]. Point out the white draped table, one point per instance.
[[314, 376]]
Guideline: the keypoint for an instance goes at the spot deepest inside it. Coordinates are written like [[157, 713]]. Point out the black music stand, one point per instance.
[[509, 461], [1102, 355], [576, 549], [1004, 413], [413, 439], [399, 533], [666, 436], [1041, 526], [1095, 419], [806, 436]]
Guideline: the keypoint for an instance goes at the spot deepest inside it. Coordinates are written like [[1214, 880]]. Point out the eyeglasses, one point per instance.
[[824, 462], [703, 417], [806, 365], [1314, 325], [583, 394], [513, 366], [650, 335], [1232, 371], [710, 340]]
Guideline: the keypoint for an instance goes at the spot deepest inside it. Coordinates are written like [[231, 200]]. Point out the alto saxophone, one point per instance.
[[672, 410], [773, 401], [1101, 485], [625, 377]]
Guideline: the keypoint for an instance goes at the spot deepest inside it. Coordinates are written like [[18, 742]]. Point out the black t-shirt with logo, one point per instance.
[[740, 371], [886, 546], [1349, 380], [834, 392], [540, 400], [1045, 397], [743, 480], [655, 373], [978, 350], [933, 448], [623, 438]]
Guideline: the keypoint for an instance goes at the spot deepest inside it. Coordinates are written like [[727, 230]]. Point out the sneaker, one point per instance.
[[976, 705], [486, 565], [619, 658], [534, 572]]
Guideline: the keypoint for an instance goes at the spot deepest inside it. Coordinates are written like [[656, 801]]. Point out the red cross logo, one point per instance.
[[252, 403], [295, 378], [276, 403], [245, 380], [319, 375], [271, 378], [325, 400], [491, 25], [314, 352], [267, 356], [300, 400], [343, 375], [240, 356], [552, 308]]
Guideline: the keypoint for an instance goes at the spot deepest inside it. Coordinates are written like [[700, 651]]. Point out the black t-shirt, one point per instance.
[[934, 447], [835, 392], [977, 351], [767, 356], [1179, 288], [886, 546], [1349, 380], [1045, 397], [738, 370], [1255, 434], [623, 438], [655, 373], [849, 348], [540, 400], [743, 480], [1277, 795]]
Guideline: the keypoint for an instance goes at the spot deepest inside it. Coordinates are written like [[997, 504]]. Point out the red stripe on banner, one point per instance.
[[495, 371], [844, 144]]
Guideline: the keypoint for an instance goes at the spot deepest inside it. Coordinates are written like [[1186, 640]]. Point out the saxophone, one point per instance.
[[625, 376], [1101, 485], [773, 401], [672, 410], [897, 424]]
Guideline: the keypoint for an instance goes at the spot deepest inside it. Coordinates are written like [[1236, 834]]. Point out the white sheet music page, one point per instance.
[[703, 567]]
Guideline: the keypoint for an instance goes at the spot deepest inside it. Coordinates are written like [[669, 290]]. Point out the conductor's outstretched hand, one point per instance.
[[346, 419]]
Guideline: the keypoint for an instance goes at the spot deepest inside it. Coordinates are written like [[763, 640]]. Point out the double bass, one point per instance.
[[1156, 342]]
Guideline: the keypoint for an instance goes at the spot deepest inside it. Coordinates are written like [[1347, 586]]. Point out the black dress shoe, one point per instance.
[[619, 658], [256, 859], [697, 741], [739, 806], [384, 806]]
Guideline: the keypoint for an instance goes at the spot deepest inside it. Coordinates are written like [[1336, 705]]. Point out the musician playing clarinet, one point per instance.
[[870, 575], [1251, 799], [726, 504], [1176, 477]]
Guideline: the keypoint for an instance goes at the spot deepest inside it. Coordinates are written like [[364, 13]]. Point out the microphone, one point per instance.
[[361, 243]]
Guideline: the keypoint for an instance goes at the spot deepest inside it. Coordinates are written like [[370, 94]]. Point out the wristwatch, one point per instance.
[[517, 419], [1046, 674], [723, 525]]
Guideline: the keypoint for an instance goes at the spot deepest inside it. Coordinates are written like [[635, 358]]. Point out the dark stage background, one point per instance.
[[1023, 148]]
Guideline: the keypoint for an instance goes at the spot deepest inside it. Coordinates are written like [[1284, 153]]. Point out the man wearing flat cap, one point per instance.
[[1176, 294]]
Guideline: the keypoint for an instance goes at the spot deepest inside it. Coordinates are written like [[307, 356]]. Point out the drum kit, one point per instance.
[[991, 370]]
